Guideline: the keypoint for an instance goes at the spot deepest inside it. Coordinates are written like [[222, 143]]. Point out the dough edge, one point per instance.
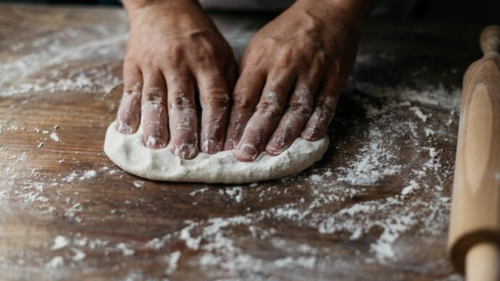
[[129, 153]]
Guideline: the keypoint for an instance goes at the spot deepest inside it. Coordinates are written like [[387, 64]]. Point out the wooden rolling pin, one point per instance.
[[474, 234]]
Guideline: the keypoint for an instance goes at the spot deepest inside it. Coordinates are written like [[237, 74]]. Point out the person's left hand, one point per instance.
[[290, 78]]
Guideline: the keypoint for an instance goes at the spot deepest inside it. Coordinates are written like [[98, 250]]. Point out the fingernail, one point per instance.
[[184, 151], [137, 88], [151, 142], [213, 147], [124, 128], [308, 133], [230, 144], [155, 143], [210, 145], [275, 149], [248, 151]]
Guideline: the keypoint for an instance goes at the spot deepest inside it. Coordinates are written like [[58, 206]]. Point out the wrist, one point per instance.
[[358, 7], [353, 11], [176, 6]]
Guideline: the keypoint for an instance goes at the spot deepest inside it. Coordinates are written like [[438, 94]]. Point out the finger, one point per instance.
[[182, 115], [245, 98], [214, 101], [324, 110], [231, 74], [154, 111], [266, 118], [298, 111], [129, 112]]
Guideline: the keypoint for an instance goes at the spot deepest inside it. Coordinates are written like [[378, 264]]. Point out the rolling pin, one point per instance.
[[474, 233]]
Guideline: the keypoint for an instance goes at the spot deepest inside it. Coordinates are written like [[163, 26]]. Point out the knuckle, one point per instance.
[[174, 53], [130, 61], [300, 108], [216, 98], [147, 58], [267, 44], [258, 55], [327, 103], [130, 88], [254, 59], [127, 117], [180, 101], [320, 59], [179, 79], [270, 109], [335, 69], [207, 54], [242, 102], [153, 95], [285, 58]]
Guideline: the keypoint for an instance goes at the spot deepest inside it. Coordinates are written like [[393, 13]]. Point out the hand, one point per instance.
[[174, 47], [291, 76]]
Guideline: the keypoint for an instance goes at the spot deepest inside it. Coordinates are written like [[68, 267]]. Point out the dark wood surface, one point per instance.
[[375, 208]]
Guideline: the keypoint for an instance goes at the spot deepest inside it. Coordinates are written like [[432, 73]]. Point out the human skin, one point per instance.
[[174, 50], [290, 77]]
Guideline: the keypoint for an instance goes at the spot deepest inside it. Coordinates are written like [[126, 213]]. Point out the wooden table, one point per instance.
[[375, 208]]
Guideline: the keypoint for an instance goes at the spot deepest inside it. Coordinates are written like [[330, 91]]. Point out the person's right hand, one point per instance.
[[174, 50]]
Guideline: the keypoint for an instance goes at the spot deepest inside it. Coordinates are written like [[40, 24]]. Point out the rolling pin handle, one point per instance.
[[483, 263], [474, 233], [490, 40]]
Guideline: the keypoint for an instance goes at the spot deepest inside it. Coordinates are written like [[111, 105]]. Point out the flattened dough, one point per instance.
[[129, 153]]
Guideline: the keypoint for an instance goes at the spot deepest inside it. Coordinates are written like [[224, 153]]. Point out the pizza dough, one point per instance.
[[130, 154]]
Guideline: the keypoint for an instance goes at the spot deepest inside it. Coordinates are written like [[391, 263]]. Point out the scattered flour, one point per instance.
[[429, 132], [419, 113], [60, 242], [201, 191], [71, 177], [53, 50], [90, 174], [125, 250], [173, 262], [78, 255], [410, 188], [138, 184], [374, 161], [333, 206], [235, 193], [55, 262], [55, 137]]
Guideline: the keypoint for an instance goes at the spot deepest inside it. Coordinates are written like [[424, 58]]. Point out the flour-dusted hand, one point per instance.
[[291, 76], [175, 50]]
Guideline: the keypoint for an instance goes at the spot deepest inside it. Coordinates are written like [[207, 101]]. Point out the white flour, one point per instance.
[[328, 203], [60, 242]]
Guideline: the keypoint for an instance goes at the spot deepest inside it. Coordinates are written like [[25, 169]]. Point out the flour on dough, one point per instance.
[[130, 154]]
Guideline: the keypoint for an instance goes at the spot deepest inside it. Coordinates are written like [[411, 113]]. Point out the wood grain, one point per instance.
[[375, 208], [475, 216]]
